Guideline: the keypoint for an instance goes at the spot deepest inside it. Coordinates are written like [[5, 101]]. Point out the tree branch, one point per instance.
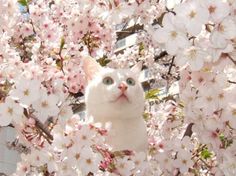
[[232, 82], [171, 65], [227, 55], [128, 31], [40, 126], [161, 55], [188, 131]]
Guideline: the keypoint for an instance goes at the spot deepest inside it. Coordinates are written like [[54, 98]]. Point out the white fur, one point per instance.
[[128, 129]]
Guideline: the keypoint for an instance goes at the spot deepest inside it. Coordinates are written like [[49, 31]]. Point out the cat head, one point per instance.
[[113, 93]]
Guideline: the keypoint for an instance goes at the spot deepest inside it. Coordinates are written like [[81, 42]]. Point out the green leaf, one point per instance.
[[141, 48], [62, 43], [206, 154], [146, 116], [222, 137], [59, 63], [103, 61], [23, 2], [152, 94]]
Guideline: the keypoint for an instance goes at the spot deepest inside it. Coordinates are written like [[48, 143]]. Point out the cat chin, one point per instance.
[[114, 113]]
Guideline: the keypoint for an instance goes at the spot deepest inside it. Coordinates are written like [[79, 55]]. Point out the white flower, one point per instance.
[[185, 143], [125, 166], [223, 32], [26, 91], [85, 135], [51, 161], [165, 161], [37, 158], [207, 96], [217, 9], [22, 168], [171, 35], [193, 16], [213, 124], [140, 163], [192, 56], [65, 169], [10, 110], [89, 161], [46, 106], [120, 11], [183, 161], [228, 165], [65, 113], [230, 115], [60, 142], [210, 137], [73, 154]]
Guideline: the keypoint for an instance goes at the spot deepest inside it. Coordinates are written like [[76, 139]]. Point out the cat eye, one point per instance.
[[108, 80], [130, 81]]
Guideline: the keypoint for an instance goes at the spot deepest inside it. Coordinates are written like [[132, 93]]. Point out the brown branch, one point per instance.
[[205, 163], [161, 55], [171, 65], [232, 82], [10, 125], [128, 31], [188, 131], [170, 11], [78, 107], [227, 55], [46, 133], [42, 128]]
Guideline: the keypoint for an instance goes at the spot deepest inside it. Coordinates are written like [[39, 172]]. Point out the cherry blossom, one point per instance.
[[10, 111], [25, 91], [124, 166], [193, 15], [46, 106], [183, 161], [171, 35], [89, 161], [194, 56], [230, 115], [223, 31], [186, 46], [165, 160], [218, 10]]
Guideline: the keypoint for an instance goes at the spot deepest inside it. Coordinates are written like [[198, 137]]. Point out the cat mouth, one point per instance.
[[122, 97]]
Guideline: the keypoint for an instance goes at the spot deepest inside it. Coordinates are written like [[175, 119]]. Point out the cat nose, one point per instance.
[[123, 87]]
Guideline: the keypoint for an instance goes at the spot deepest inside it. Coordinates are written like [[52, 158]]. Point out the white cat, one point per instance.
[[116, 96]]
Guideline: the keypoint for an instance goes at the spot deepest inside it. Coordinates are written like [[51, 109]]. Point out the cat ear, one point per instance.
[[137, 67], [91, 68]]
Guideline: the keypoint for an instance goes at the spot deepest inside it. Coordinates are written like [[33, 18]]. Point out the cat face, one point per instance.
[[114, 93]]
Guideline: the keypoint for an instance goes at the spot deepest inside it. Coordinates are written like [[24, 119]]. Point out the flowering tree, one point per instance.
[[43, 43]]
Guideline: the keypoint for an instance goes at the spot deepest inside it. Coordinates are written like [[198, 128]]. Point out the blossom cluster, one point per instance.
[[43, 44]]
